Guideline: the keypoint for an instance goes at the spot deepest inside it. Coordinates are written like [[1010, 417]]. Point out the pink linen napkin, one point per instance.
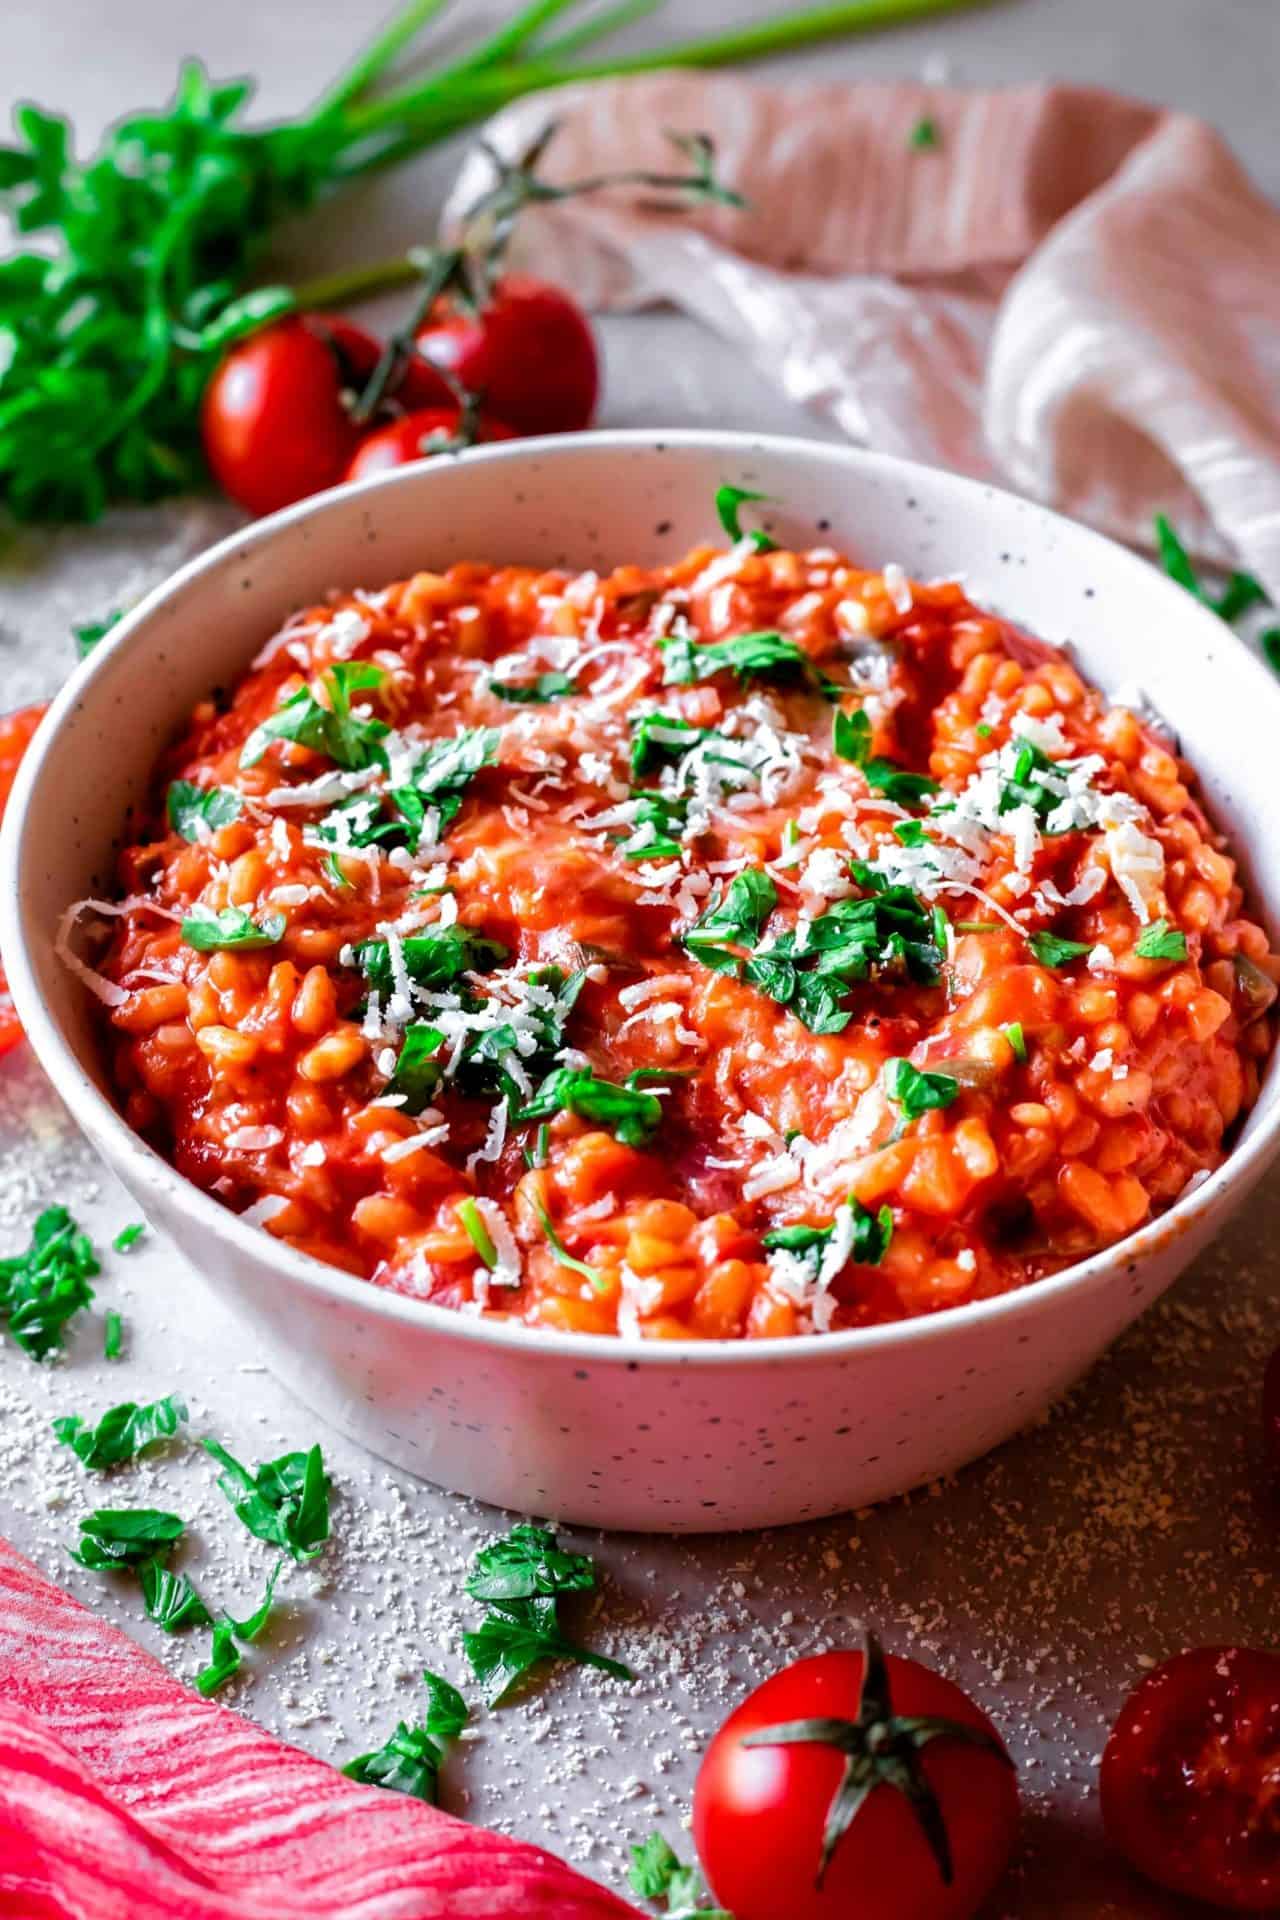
[[1072, 294], [124, 1796]]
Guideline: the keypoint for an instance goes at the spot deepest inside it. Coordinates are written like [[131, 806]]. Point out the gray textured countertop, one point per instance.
[[1132, 1522]]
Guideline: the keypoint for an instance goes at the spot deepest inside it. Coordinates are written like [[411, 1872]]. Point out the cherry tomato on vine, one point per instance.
[[529, 353], [16, 730], [276, 419], [1191, 1777], [412, 438], [855, 1786]]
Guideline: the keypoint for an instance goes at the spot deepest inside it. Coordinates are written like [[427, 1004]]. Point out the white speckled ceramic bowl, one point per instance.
[[670, 1436]]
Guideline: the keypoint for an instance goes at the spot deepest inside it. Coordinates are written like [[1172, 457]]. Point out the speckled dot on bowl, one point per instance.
[[666, 1436]]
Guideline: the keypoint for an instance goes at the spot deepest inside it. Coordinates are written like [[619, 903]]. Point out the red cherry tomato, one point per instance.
[[16, 730], [275, 420], [407, 440], [530, 354], [761, 1811], [1190, 1777]]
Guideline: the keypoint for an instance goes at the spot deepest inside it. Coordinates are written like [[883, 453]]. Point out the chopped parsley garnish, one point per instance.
[[924, 136], [286, 1502], [418, 1069], [1161, 942], [729, 504], [534, 693], [442, 774], [171, 1599], [91, 632], [43, 1288], [123, 1432], [522, 1626], [872, 1233], [657, 825], [557, 1246], [210, 932], [915, 1091], [410, 1761], [352, 741], [751, 656], [851, 740], [112, 1538], [655, 1873], [890, 934], [492, 1055], [112, 1335], [195, 812], [128, 1237], [250, 1629], [1051, 951], [628, 1113], [661, 736], [1017, 1039], [436, 959], [477, 1232]]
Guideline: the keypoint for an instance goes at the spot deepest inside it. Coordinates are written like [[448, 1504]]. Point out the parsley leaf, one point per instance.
[[122, 1433], [553, 1240], [916, 1091], [286, 1502], [1161, 942], [522, 1629], [872, 1233], [851, 740], [250, 1629], [112, 1335], [128, 1237], [537, 692], [195, 812], [1241, 592], [661, 736], [115, 1537], [1017, 1039], [737, 917], [418, 1069], [224, 1659], [232, 928], [729, 504], [924, 136], [409, 1762], [350, 740], [43, 1288], [751, 656], [657, 826], [1051, 951], [629, 1114], [473, 1225], [171, 1599], [91, 632]]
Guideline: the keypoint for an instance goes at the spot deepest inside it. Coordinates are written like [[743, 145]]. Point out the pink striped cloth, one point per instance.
[[1071, 293], [124, 1796]]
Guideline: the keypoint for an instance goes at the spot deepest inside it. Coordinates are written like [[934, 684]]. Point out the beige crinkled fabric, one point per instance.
[[1072, 293]]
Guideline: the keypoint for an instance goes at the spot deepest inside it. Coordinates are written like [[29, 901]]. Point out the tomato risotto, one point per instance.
[[747, 947]]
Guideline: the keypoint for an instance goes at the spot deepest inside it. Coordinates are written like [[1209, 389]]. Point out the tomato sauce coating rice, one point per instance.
[[747, 947]]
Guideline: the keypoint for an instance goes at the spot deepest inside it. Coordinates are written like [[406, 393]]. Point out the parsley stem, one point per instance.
[[360, 283]]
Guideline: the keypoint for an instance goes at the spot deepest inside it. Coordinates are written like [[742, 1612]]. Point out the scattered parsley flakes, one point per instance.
[[92, 631], [232, 928], [1017, 1039], [112, 1538], [872, 1233], [1051, 951], [915, 1091], [924, 136], [767, 655], [352, 741], [286, 1502], [851, 740], [523, 1628], [196, 812], [1161, 942], [129, 1236], [659, 736], [171, 1599], [45, 1287], [112, 1335], [435, 959], [122, 1433], [729, 504], [409, 1762]]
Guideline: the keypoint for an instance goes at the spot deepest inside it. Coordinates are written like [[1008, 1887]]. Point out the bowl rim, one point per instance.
[[149, 1171]]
